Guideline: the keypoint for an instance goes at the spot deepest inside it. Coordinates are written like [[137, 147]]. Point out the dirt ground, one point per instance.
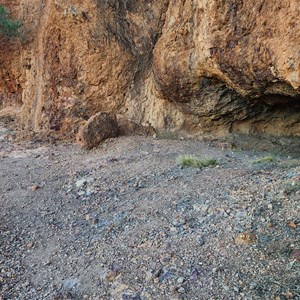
[[125, 221]]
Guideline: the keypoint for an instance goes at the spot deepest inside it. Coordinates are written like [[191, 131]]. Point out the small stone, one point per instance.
[[229, 228], [241, 214], [204, 208], [292, 225], [295, 255], [110, 275], [130, 296], [29, 245], [181, 290], [95, 221], [80, 182], [289, 295], [149, 275], [195, 273], [226, 288], [201, 241], [166, 276], [89, 192], [47, 263], [270, 206], [70, 283], [25, 284], [197, 207], [35, 187], [178, 222], [157, 273], [253, 286], [238, 227], [246, 238], [180, 280]]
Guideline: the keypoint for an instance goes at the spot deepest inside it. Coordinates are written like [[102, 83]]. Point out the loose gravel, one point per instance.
[[124, 221]]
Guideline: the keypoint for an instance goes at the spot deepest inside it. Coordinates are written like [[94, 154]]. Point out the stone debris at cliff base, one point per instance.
[[124, 221]]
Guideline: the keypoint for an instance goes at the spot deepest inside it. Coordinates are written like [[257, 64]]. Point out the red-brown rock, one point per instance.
[[98, 128]]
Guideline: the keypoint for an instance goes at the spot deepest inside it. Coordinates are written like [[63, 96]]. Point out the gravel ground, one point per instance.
[[124, 221]]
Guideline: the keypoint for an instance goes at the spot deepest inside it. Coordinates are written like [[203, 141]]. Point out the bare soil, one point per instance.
[[124, 221]]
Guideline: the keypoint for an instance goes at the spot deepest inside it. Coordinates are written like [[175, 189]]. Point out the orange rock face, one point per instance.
[[201, 67]]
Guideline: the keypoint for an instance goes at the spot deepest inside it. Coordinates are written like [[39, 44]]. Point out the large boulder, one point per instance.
[[98, 128]]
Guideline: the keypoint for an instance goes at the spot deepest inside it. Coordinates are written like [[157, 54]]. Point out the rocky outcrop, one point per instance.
[[198, 67]]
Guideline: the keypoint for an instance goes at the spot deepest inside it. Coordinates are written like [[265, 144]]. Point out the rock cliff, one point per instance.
[[198, 67]]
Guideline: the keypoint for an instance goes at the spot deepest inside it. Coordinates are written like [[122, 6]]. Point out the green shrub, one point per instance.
[[8, 28], [190, 161]]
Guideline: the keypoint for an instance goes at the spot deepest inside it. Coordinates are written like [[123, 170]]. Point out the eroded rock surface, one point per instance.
[[201, 67]]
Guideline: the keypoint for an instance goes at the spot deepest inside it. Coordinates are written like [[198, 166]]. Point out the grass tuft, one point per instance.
[[264, 160], [167, 135], [190, 161]]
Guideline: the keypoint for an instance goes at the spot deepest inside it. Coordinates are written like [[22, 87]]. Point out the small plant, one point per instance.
[[167, 135], [8, 28], [190, 161], [264, 160]]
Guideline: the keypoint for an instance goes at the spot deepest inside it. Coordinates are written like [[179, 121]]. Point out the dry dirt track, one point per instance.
[[125, 222]]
